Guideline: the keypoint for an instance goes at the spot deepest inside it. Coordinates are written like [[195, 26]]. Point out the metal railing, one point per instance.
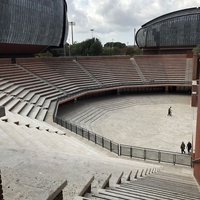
[[127, 150]]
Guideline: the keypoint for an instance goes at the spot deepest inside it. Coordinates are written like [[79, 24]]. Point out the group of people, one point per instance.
[[189, 147]]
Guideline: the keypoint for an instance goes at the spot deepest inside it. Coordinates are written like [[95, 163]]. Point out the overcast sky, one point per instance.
[[115, 20]]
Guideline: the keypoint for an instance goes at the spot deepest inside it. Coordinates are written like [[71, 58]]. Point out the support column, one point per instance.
[[166, 89], [1, 189], [194, 94], [197, 142], [195, 64]]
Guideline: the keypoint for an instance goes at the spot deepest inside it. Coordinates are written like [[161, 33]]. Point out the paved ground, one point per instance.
[[139, 120]]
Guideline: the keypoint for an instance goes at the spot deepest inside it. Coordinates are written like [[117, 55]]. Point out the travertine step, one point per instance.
[[34, 112], [23, 94], [26, 110], [42, 114], [18, 108], [12, 104], [6, 100]]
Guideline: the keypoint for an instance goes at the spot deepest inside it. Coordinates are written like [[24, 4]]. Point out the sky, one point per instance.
[[117, 20]]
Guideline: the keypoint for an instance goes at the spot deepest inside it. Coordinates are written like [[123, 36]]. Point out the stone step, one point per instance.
[[18, 135], [41, 101], [42, 114], [23, 94], [11, 89], [35, 99], [2, 95], [3, 82], [47, 103], [18, 91], [12, 104], [6, 100], [34, 112], [18, 108], [26, 110], [29, 96], [156, 192], [6, 86], [24, 120]]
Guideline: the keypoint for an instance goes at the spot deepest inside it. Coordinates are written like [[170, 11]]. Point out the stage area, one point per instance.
[[137, 120]]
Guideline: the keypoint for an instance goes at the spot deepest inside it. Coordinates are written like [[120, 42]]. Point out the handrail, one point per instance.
[[119, 180], [87, 187], [58, 192], [120, 149], [106, 183], [129, 176]]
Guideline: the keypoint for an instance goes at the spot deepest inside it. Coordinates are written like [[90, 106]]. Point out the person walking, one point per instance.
[[182, 147], [169, 111], [189, 147]]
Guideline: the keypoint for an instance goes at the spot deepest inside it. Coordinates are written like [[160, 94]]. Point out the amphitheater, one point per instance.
[[40, 157], [85, 128]]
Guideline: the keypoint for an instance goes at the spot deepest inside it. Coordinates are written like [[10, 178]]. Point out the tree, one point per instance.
[[89, 47], [96, 48]]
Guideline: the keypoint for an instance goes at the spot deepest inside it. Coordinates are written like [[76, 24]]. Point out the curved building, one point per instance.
[[178, 30], [30, 26]]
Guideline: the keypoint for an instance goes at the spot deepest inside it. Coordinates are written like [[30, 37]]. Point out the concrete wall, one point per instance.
[[2, 111]]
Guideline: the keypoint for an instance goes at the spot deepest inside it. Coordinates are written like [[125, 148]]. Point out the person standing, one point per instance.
[[189, 147], [182, 147]]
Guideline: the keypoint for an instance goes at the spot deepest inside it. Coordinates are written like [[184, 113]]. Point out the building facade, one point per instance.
[[32, 25], [178, 30]]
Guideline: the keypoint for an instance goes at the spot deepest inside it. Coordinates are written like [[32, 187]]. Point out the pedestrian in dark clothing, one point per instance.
[[182, 147], [170, 111], [189, 147]]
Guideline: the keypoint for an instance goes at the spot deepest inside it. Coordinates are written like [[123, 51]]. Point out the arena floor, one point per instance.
[[138, 120]]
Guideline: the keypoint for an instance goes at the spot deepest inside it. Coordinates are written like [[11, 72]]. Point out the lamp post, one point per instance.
[[92, 30], [134, 35], [69, 48], [72, 24]]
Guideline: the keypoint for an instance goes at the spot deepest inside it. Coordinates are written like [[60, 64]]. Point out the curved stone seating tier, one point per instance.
[[30, 82], [111, 70], [164, 68]]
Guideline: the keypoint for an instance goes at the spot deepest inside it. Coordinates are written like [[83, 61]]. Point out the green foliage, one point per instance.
[[133, 51], [44, 54], [115, 44], [93, 47], [196, 50], [90, 47]]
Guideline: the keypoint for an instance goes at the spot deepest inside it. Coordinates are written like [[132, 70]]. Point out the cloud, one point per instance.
[[109, 18]]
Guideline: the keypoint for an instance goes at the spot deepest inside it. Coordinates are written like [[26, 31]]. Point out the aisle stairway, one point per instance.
[[161, 185]]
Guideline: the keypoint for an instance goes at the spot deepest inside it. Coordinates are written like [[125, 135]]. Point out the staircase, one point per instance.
[[138, 70], [155, 185]]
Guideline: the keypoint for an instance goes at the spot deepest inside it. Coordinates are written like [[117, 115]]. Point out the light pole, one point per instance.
[[134, 35], [72, 24], [69, 48], [92, 30], [64, 49]]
